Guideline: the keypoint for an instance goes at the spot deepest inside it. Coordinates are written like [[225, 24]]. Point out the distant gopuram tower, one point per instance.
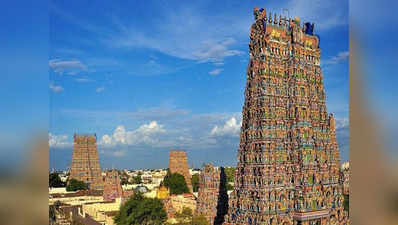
[[288, 159], [112, 186], [85, 162], [209, 188], [178, 163]]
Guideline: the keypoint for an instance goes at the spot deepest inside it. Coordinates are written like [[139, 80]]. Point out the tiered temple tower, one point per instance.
[[112, 186], [288, 159], [178, 163], [85, 161], [209, 187]]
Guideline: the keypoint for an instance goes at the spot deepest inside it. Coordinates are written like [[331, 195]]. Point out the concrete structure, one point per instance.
[[98, 211], [178, 163], [288, 159], [85, 161], [76, 198], [58, 190]]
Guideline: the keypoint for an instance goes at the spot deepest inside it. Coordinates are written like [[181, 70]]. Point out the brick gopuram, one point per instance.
[[178, 163], [85, 162], [288, 159], [209, 187]]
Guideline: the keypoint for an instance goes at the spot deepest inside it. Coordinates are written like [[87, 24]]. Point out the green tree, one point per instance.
[[195, 182], [139, 210], [51, 215], [184, 217], [346, 203], [55, 180], [176, 183], [124, 177], [137, 179], [199, 220], [230, 172], [75, 185]]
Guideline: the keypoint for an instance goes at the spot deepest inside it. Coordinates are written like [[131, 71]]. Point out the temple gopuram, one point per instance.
[[85, 161], [178, 163], [288, 159], [209, 188], [113, 187]]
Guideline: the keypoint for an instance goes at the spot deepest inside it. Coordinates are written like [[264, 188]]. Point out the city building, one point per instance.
[[288, 159], [100, 211], [85, 161], [76, 198], [178, 163]]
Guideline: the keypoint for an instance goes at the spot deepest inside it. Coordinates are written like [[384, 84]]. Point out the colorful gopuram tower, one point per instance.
[[178, 163], [288, 159], [209, 188], [85, 161]]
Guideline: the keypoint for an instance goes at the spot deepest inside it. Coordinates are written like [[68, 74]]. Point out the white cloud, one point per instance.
[[58, 141], [230, 128], [60, 66], [100, 89], [340, 57], [145, 134], [216, 71], [56, 88], [106, 140]]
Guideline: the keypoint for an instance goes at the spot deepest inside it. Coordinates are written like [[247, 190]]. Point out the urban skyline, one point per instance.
[[173, 89]]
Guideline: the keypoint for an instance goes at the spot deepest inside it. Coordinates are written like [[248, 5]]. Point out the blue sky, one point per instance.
[[151, 76], [24, 80]]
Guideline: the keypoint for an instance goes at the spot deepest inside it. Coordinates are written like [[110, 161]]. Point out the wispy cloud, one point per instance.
[[100, 89], [340, 57], [119, 153], [84, 80], [60, 66], [56, 88], [177, 35], [216, 71], [215, 52]]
